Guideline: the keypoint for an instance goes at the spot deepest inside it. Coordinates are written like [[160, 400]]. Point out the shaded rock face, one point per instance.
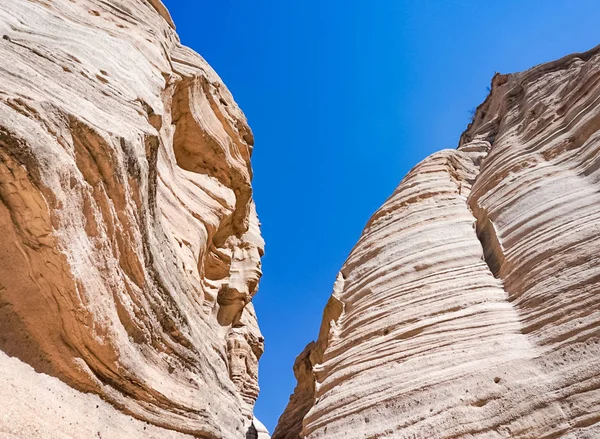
[[130, 242], [470, 307]]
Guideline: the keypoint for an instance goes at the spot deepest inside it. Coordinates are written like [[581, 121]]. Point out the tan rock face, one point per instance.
[[130, 242], [470, 305]]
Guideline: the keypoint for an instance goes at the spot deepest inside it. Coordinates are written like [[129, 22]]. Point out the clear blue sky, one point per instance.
[[344, 97]]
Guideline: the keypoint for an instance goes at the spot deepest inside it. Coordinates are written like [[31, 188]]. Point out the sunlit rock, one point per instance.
[[469, 308], [130, 242]]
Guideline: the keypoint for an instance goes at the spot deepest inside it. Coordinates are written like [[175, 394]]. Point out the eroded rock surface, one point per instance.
[[470, 308], [130, 242]]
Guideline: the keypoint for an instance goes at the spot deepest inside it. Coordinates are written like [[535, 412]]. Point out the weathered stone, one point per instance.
[[469, 307], [130, 242]]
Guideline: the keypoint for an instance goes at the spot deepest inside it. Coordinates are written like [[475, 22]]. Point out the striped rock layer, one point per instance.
[[470, 307], [130, 243]]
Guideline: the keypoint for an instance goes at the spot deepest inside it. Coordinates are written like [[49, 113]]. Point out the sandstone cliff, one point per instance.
[[470, 306], [130, 242]]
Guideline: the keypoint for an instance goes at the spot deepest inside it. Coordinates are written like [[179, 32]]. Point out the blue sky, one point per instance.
[[344, 97]]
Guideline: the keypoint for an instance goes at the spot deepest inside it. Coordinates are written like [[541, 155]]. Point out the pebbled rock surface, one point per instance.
[[130, 242], [470, 306]]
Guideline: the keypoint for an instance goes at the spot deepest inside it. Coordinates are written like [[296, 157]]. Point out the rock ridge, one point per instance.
[[131, 245], [468, 305]]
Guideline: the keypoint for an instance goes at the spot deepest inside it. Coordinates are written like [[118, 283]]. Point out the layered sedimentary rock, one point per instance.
[[470, 306], [130, 242]]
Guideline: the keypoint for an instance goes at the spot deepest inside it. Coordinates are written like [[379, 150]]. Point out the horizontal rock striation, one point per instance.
[[469, 308], [130, 242]]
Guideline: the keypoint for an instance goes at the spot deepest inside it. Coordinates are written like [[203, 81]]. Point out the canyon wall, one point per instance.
[[470, 307], [130, 242]]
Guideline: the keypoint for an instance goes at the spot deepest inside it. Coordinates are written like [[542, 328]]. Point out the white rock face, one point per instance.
[[43, 407], [470, 308], [130, 242]]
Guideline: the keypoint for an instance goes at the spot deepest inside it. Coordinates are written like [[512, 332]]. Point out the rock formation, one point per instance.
[[130, 242], [470, 306], [131, 252]]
